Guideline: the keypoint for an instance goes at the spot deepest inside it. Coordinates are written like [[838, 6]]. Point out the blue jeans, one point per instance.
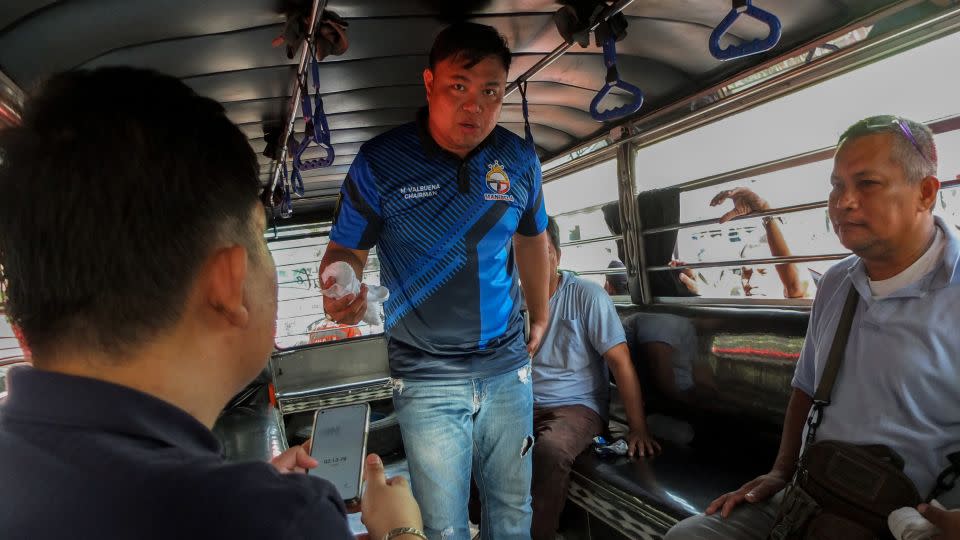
[[454, 427]]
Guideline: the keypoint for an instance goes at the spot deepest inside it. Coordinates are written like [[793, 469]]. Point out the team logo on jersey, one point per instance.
[[498, 182]]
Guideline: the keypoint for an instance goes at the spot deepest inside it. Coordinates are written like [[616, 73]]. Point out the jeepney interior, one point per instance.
[[718, 412]]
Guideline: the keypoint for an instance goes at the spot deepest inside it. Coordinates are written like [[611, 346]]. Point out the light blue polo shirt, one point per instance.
[[569, 368], [899, 384]]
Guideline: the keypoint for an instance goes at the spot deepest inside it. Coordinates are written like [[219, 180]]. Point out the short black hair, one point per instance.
[[470, 42], [116, 187], [617, 282], [553, 231]]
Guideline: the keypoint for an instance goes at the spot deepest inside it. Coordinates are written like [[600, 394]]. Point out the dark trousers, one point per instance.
[[561, 434]]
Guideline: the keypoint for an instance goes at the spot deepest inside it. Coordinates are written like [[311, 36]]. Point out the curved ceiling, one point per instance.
[[222, 49]]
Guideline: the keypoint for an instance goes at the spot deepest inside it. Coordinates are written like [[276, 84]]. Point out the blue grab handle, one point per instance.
[[286, 205], [750, 47], [613, 81]]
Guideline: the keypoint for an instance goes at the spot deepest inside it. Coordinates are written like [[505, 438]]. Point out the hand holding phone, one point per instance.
[[339, 444], [387, 504]]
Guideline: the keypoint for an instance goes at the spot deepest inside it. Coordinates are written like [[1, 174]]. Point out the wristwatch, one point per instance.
[[400, 531], [766, 220]]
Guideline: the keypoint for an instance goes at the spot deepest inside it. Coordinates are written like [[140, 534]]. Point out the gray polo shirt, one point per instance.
[[569, 368]]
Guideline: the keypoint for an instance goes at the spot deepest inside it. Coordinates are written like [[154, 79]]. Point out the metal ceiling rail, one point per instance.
[[676, 118], [591, 240], [305, 53], [554, 55]]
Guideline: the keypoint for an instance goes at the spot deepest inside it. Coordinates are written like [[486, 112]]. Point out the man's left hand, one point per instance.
[[295, 460], [947, 520], [537, 331], [641, 444]]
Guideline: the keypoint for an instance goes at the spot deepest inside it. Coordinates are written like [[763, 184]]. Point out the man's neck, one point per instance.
[[152, 373], [554, 282], [435, 131], [879, 269]]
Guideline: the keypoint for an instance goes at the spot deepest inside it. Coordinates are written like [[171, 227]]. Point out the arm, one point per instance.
[[639, 439], [789, 276], [349, 309], [765, 486], [746, 202], [534, 268]]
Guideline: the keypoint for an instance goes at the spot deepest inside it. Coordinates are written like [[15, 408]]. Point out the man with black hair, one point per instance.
[[896, 383], [584, 341], [616, 283], [454, 205], [133, 260]]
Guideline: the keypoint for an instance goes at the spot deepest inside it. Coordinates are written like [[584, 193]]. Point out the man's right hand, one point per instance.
[[348, 309], [387, 504], [757, 490]]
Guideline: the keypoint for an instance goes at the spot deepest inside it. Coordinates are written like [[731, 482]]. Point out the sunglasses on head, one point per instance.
[[904, 129]]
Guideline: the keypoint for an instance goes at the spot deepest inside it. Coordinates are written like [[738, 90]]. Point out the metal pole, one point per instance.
[[562, 48], [317, 11]]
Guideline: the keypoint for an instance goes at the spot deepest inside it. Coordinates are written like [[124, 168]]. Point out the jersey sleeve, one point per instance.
[[357, 219], [534, 218]]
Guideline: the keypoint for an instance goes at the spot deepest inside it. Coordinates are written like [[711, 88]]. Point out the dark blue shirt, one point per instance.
[[443, 228], [81, 458]]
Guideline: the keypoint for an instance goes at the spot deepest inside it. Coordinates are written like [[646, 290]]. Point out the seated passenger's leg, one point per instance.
[[436, 420], [749, 521], [562, 433], [503, 434]]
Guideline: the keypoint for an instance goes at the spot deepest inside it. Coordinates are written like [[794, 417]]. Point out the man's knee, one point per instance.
[[552, 453]]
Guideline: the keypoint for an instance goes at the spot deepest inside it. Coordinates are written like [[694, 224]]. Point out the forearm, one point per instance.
[[791, 440], [628, 385], [357, 259], [534, 268], [789, 275]]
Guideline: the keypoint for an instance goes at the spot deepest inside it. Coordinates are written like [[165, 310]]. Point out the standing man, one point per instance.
[[454, 205], [897, 384]]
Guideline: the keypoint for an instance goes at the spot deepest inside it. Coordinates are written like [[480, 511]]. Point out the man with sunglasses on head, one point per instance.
[[454, 206], [897, 382]]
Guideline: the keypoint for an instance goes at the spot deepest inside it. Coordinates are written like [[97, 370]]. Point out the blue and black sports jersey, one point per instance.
[[443, 228]]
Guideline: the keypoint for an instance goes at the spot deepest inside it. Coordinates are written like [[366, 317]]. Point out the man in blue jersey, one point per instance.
[[454, 205]]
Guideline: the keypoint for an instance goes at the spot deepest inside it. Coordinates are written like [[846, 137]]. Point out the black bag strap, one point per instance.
[[821, 398]]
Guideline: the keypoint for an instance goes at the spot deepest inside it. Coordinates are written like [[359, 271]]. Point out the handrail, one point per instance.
[[732, 52], [584, 209], [591, 240], [608, 271], [556, 53], [305, 53], [945, 184], [751, 262]]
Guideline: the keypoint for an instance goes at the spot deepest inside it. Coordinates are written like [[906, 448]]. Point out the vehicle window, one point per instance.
[[297, 252], [576, 201], [810, 120]]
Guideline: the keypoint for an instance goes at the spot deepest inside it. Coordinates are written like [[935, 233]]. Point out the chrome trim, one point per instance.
[[591, 240], [751, 262], [315, 14], [608, 271], [630, 223], [556, 53], [594, 158], [946, 184]]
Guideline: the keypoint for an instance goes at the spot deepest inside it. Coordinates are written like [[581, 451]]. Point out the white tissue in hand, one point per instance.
[[907, 524], [346, 282]]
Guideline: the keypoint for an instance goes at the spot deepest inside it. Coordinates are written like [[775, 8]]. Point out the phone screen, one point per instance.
[[339, 445]]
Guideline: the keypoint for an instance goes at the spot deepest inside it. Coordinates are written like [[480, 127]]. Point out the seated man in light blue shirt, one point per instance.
[[571, 387], [897, 384]]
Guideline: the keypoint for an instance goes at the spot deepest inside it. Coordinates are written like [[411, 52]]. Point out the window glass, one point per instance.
[[300, 316]]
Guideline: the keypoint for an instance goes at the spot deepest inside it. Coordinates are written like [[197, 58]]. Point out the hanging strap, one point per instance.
[[821, 398], [747, 48], [613, 81], [317, 131], [528, 135]]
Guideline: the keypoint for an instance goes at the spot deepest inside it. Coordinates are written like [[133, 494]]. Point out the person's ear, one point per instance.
[[223, 281], [428, 82], [929, 187]]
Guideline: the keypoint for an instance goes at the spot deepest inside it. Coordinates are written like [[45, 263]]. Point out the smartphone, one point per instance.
[[340, 446]]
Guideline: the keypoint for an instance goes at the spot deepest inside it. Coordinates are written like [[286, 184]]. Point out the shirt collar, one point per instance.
[[945, 275], [434, 150], [46, 397]]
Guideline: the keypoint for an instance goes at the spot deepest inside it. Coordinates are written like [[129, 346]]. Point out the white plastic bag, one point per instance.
[[346, 282]]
